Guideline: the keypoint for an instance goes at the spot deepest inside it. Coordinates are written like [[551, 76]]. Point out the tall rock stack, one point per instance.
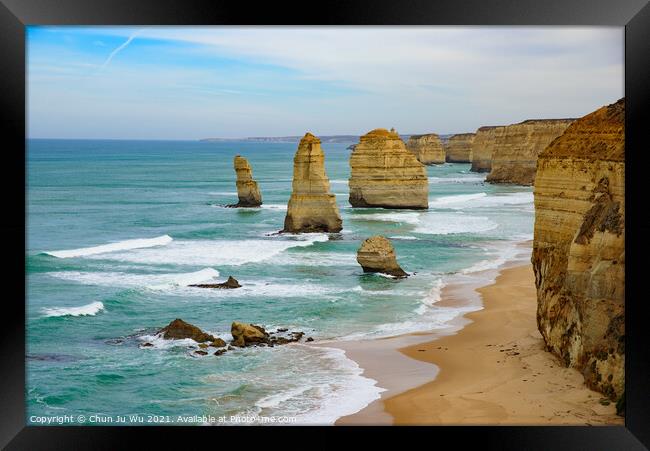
[[426, 148], [312, 208], [248, 191], [459, 148], [385, 174], [483, 147], [514, 159], [579, 247]]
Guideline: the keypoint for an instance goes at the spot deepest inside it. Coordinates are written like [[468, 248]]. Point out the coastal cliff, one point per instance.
[[579, 247], [426, 148], [385, 174], [514, 157], [483, 147], [248, 191], [459, 148], [312, 208]]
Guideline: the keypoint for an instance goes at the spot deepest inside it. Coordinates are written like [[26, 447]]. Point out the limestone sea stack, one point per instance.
[[248, 191], [377, 255], [483, 147], [385, 174], [426, 148], [312, 208], [579, 247], [514, 158], [459, 148]]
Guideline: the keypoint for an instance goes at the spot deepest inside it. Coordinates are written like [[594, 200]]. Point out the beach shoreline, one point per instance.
[[489, 368]]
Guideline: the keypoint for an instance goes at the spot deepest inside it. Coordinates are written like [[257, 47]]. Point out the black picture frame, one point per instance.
[[16, 14]]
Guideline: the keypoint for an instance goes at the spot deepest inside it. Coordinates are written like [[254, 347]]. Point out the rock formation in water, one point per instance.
[[483, 147], [248, 191], [514, 159], [579, 247], [377, 255], [179, 329], [312, 208], [228, 284], [459, 148], [244, 335], [426, 148], [385, 174]]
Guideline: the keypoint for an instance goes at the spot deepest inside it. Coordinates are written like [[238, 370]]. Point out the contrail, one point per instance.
[[119, 49]]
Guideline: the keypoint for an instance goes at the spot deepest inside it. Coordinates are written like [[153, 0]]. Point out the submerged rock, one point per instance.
[[376, 255], [385, 174], [218, 343], [228, 284], [248, 191], [312, 208], [179, 329]]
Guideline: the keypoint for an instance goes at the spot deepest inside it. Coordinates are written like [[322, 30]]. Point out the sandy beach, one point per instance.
[[494, 370]]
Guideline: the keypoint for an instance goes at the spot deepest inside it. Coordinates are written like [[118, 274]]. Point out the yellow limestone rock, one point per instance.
[[427, 148], [483, 147], [248, 191], [376, 254], [312, 208], [459, 148], [244, 334], [385, 174], [514, 158], [579, 247]]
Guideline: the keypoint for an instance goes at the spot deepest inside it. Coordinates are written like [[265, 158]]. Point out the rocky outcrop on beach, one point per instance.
[[385, 174], [427, 148], [228, 284], [579, 247], [244, 335], [459, 148], [248, 191], [483, 147], [179, 329], [514, 156], [377, 255], [312, 208]]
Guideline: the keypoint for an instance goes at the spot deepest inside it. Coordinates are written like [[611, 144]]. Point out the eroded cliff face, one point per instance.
[[579, 247], [514, 158], [426, 148], [248, 191], [459, 148], [312, 208], [483, 147], [384, 174]]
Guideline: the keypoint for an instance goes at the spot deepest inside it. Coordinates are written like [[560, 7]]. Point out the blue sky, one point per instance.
[[197, 82]]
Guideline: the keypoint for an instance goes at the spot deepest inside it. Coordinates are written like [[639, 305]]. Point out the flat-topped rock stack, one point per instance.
[[459, 148], [579, 248], [312, 208], [377, 255], [514, 158], [248, 191], [426, 148], [483, 147], [385, 174]]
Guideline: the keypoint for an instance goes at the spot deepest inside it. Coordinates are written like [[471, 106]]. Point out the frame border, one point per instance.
[[15, 15]]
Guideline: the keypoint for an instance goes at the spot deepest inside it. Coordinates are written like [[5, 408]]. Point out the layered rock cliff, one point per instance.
[[426, 148], [459, 148], [514, 158], [483, 147], [579, 247], [377, 255], [312, 208], [248, 191], [385, 174]]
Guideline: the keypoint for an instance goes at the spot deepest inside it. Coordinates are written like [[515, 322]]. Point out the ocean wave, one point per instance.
[[403, 237], [434, 295], [85, 310], [395, 216], [436, 223], [129, 280], [445, 201], [482, 200], [467, 179], [113, 247], [282, 207], [214, 252]]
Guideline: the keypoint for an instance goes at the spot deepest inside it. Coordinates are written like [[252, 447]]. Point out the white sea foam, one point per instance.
[[338, 182], [437, 223], [466, 179], [433, 296], [113, 247], [394, 216], [446, 201], [85, 310], [499, 255], [282, 207], [403, 237], [223, 193], [130, 280], [482, 200], [214, 252]]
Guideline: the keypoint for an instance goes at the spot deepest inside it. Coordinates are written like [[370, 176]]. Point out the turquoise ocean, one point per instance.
[[116, 230]]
